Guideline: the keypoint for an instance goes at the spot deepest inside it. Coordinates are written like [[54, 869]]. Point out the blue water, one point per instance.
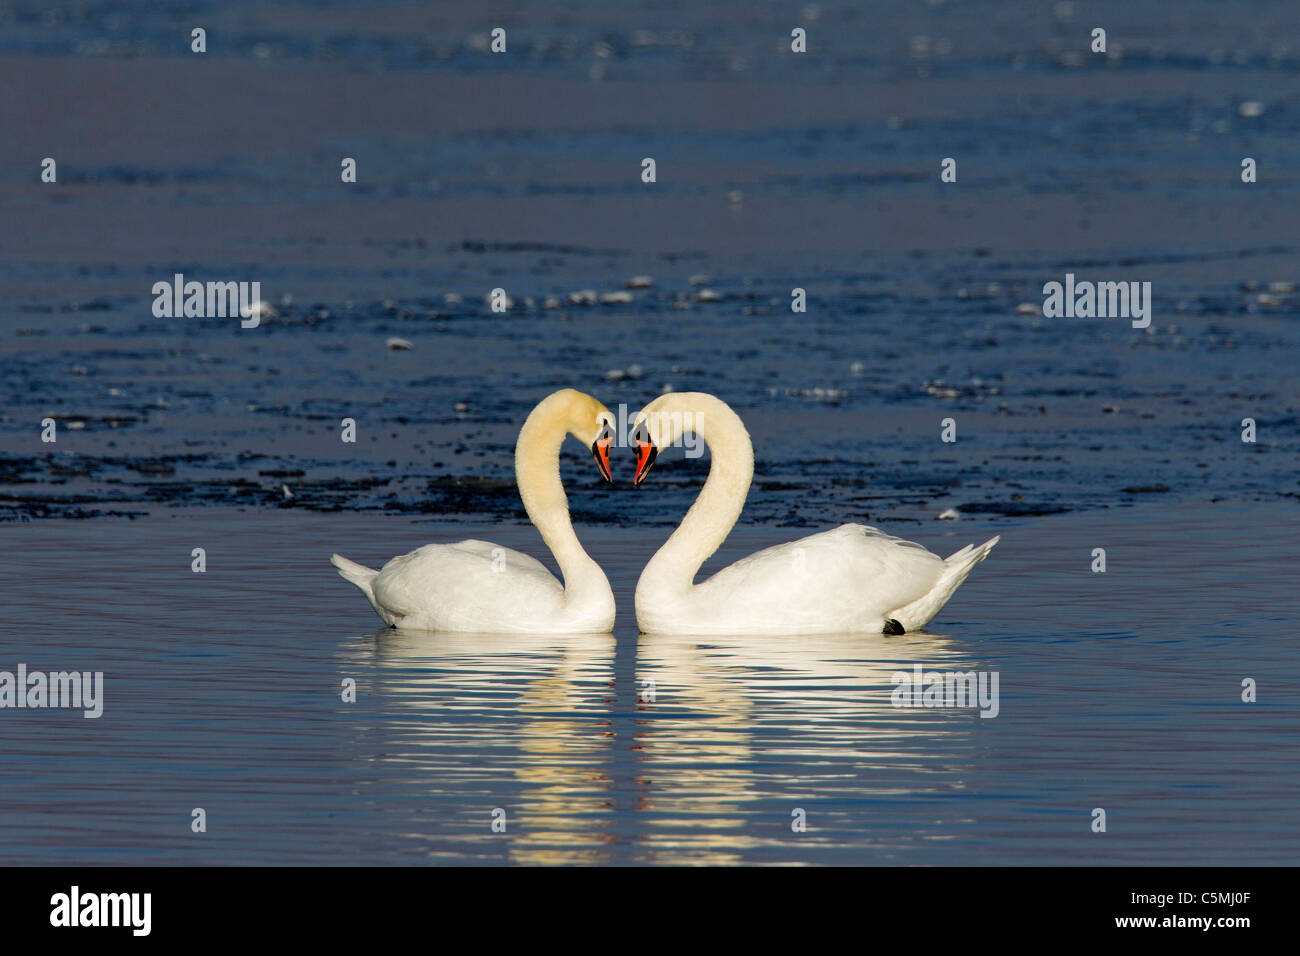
[[521, 171], [1119, 691]]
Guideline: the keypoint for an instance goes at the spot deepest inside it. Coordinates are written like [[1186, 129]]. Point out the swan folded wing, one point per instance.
[[477, 579], [838, 575], [876, 538], [895, 569]]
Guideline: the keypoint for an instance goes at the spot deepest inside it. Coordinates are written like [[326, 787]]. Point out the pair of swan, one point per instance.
[[851, 579]]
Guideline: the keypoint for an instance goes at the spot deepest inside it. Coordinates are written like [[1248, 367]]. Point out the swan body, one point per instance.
[[853, 578], [476, 586]]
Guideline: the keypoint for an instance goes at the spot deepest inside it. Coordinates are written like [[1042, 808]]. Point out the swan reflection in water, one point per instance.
[[474, 723], [745, 730], [701, 760]]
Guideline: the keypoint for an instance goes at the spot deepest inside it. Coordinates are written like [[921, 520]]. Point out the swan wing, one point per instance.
[[468, 585], [847, 577]]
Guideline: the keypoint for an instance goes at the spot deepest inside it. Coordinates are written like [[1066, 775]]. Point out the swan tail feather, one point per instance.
[[360, 575], [957, 566], [364, 578]]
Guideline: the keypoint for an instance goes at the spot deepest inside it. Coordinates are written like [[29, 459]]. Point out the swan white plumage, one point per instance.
[[853, 578], [475, 586]]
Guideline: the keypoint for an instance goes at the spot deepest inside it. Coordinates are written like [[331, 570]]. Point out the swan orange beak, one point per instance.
[[600, 451], [646, 453]]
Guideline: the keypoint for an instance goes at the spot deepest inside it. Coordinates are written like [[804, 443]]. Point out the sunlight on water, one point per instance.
[[1117, 690]]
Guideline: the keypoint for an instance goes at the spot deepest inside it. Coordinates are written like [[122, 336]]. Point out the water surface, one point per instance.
[[775, 172], [1118, 690]]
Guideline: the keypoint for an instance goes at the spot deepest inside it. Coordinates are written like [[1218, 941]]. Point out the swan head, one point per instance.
[[590, 422], [680, 418], [659, 425]]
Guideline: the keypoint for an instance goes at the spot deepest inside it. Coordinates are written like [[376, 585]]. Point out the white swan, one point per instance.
[[853, 578], [475, 586]]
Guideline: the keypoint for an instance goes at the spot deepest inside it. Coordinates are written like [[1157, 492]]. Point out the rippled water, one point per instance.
[[222, 691], [522, 172]]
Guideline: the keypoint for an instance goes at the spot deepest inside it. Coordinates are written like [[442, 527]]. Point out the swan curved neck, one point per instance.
[[537, 472], [719, 503]]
